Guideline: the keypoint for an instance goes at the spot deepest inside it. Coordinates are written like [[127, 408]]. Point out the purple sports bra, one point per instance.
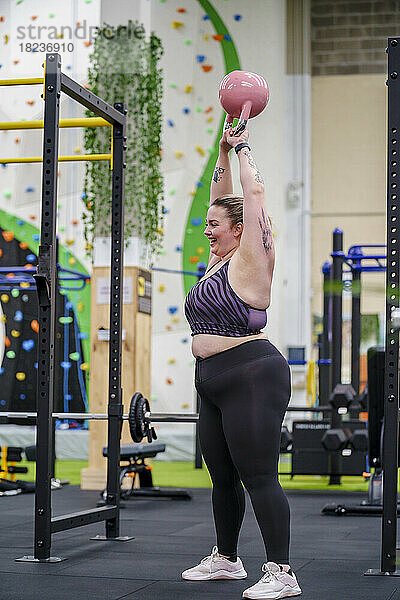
[[212, 306]]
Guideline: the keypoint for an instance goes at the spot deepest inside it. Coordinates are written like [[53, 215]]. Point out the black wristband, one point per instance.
[[238, 147]]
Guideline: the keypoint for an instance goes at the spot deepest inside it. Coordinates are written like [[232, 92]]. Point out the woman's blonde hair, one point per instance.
[[233, 204]]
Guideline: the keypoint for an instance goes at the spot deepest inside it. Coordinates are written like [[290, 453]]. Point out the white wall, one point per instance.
[[21, 28]]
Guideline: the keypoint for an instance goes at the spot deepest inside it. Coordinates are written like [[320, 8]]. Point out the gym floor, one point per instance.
[[328, 554]]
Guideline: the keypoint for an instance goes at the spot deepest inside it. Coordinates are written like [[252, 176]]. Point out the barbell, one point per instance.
[[139, 417]]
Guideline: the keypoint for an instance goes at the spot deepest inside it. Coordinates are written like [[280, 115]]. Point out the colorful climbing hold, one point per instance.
[[218, 37], [7, 342], [65, 320], [177, 24], [80, 306], [178, 154], [18, 317], [169, 381], [206, 68], [66, 365], [196, 221], [194, 259], [172, 309], [171, 361], [187, 89], [28, 345], [161, 288], [75, 356], [15, 333], [4, 298], [35, 326], [200, 58], [8, 236], [20, 376], [15, 293], [85, 366], [237, 17], [10, 354], [24, 298], [200, 150]]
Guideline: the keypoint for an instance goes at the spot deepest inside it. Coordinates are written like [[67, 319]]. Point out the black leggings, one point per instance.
[[244, 394]]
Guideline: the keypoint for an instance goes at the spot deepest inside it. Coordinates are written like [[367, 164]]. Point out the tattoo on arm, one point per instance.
[[217, 174], [258, 177], [266, 232]]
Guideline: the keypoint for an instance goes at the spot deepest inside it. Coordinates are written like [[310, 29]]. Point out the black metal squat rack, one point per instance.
[[56, 82], [391, 386]]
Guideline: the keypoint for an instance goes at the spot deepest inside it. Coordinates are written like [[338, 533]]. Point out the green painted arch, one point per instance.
[[194, 237], [25, 232]]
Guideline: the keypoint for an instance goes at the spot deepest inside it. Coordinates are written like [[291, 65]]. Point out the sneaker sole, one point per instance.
[[285, 593], [217, 575]]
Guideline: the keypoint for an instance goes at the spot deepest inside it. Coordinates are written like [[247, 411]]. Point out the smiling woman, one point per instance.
[[238, 369]]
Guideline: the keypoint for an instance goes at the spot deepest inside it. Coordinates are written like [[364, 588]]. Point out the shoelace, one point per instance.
[[211, 558], [268, 574]]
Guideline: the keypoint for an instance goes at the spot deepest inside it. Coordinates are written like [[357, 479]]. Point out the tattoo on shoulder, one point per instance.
[[258, 177], [217, 174], [266, 232]]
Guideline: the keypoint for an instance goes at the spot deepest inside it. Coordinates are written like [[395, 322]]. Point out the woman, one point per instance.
[[242, 379]]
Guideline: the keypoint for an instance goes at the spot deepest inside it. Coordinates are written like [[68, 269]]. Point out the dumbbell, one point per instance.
[[335, 439]]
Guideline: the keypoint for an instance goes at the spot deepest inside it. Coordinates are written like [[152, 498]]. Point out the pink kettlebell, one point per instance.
[[243, 95]]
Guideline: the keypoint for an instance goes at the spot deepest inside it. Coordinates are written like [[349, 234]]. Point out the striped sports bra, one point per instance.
[[212, 306]]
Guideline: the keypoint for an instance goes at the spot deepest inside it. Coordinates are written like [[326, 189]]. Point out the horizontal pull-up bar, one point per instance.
[[84, 122], [30, 81], [39, 159]]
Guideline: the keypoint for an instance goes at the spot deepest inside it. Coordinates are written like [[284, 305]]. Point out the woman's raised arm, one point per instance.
[[221, 182]]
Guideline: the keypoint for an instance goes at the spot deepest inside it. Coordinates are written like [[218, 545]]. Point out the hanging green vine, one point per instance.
[[124, 68]]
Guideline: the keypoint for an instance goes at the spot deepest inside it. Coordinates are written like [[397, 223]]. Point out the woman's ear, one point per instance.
[[238, 228]]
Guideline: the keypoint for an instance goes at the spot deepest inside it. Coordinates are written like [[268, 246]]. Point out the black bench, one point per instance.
[[135, 455]]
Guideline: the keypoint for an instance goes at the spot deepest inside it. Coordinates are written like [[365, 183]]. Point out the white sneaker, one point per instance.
[[274, 584], [215, 567]]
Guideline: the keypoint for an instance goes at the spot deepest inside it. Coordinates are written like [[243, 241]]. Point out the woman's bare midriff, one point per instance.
[[204, 344]]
